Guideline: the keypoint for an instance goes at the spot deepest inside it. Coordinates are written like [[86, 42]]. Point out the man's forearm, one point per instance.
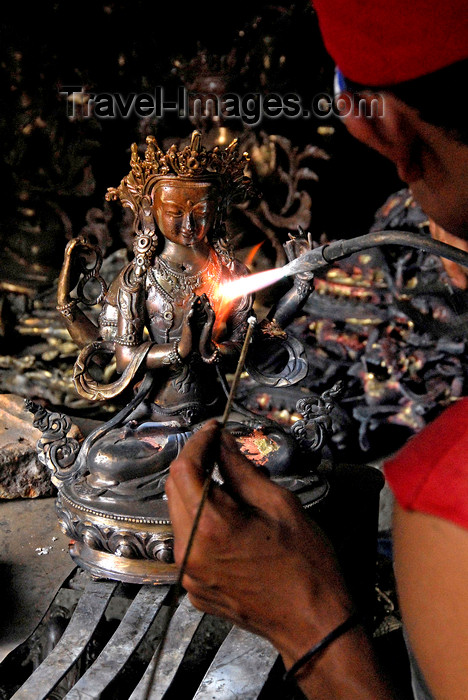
[[346, 670]]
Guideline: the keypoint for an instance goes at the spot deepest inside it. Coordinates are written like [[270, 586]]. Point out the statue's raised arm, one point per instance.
[[82, 263]]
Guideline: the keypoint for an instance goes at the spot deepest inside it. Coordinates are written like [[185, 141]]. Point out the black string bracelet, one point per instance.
[[353, 620]]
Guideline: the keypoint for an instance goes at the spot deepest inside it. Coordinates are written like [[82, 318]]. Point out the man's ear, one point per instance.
[[389, 129]]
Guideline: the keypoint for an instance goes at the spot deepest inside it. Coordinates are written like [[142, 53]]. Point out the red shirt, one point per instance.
[[430, 474]]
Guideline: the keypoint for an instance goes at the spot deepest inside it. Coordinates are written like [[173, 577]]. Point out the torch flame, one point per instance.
[[227, 293], [249, 284]]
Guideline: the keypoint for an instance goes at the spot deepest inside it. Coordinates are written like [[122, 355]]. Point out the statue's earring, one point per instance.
[[146, 238]]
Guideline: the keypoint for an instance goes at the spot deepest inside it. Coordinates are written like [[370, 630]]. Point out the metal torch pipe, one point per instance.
[[342, 248], [327, 254]]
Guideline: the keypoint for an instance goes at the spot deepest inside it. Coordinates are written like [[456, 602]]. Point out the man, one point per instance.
[[256, 559]]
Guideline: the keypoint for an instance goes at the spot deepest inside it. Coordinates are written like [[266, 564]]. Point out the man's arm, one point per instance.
[[259, 562], [431, 565]]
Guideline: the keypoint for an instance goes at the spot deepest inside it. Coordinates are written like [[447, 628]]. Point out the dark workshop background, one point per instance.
[[56, 170]]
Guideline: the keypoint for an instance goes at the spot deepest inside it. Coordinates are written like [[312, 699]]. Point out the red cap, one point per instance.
[[384, 42]]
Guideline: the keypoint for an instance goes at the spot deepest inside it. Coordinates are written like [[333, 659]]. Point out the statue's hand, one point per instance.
[[297, 245], [189, 333], [78, 254], [207, 348]]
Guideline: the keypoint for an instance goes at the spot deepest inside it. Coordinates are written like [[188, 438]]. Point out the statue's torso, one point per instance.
[[191, 391]]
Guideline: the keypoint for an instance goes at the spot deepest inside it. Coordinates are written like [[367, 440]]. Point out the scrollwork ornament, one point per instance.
[[52, 425], [67, 522], [55, 449], [294, 369], [112, 540], [63, 454], [93, 537], [317, 427]]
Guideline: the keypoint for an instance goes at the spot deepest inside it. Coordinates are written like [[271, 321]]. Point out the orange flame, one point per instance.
[[253, 252], [223, 300], [227, 294], [222, 308], [247, 285]]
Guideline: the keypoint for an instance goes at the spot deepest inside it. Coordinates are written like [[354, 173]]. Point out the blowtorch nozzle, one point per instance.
[[310, 261], [326, 254]]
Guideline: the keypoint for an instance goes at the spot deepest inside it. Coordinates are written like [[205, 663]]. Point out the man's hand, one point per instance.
[[256, 559], [458, 275]]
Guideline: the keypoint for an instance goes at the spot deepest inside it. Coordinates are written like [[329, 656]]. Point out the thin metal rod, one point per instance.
[[177, 590], [207, 483], [240, 366]]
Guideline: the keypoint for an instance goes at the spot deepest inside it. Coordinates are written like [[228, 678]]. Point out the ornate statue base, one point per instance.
[[118, 545], [123, 540], [132, 540]]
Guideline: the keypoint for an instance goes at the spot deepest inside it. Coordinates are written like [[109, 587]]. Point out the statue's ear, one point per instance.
[[146, 209], [149, 187], [145, 224]]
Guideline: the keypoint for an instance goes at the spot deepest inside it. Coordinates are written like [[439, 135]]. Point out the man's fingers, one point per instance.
[[181, 519], [188, 470]]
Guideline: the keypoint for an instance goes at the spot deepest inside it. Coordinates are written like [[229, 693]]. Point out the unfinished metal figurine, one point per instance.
[[173, 335]]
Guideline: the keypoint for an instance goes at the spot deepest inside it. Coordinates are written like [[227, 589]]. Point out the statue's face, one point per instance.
[[185, 211]]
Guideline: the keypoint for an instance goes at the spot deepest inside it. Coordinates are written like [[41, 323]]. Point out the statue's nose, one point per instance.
[[188, 223]]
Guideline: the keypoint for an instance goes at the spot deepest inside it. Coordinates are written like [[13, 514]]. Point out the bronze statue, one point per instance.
[[173, 337]]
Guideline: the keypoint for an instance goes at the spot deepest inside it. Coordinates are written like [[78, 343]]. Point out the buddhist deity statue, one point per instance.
[[173, 337]]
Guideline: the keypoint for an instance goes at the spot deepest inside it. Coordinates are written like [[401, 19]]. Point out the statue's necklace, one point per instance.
[[180, 285]]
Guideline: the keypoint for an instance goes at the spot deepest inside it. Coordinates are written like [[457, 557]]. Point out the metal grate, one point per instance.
[[108, 646]]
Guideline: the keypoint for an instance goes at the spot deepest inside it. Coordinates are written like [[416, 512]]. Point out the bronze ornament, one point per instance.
[[173, 337]]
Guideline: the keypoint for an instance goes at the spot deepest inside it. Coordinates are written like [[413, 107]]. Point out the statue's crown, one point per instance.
[[192, 162]]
